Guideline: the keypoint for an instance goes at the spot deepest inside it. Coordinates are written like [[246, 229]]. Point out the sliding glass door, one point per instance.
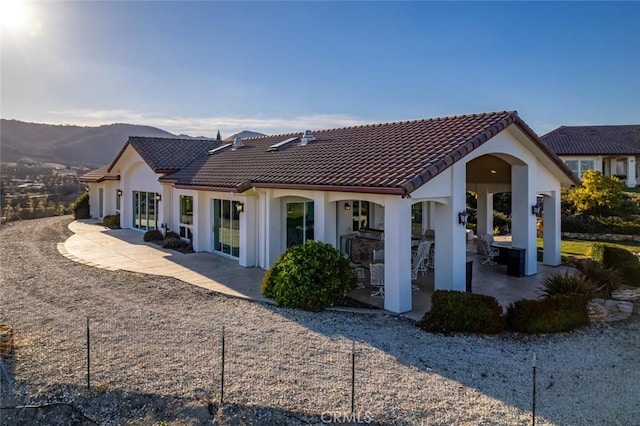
[[226, 227], [299, 222], [144, 209]]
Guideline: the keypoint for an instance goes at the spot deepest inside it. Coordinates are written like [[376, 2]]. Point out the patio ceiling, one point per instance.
[[488, 169]]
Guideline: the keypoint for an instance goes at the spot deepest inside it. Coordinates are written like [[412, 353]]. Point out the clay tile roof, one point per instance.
[[595, 140], [394, 158], [98, 175], [163, 155]]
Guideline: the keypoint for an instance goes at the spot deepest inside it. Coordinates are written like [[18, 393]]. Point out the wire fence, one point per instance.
[[325, 376]]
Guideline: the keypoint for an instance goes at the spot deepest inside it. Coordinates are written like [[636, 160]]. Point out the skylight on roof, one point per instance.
[[279, 145], [220, 148]]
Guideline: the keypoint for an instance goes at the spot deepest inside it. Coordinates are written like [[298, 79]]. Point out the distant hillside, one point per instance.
[[243, 134], [89, 146]]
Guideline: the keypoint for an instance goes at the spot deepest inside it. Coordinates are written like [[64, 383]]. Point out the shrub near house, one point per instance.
[[619, 259], [311, 276]]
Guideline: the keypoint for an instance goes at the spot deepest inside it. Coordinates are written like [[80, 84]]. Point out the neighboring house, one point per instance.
[[613, 150], [251, 199]]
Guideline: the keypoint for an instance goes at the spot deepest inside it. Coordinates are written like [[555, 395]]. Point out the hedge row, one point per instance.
[[600, 225], [457, 312]]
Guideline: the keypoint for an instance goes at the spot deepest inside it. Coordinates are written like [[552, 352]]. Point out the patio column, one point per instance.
[[432, 215], [631, 181], [523, 223], [425, 215], [551, 229], [613, 166], [273, 230], [324, 220], [450, 243], [397, 254], [485, 210], [248, 232]]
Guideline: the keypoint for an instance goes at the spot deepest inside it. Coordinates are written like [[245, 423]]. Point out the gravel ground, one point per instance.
[[156, 356]]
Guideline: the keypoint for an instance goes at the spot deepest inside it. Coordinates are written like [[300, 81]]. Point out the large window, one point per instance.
[[186, 216], [226, 227], [299, 222], [361, 215], [578, 167], [145, 207], [186, 209]]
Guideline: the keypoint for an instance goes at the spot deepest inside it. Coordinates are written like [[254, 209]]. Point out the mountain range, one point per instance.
[[74, 145]]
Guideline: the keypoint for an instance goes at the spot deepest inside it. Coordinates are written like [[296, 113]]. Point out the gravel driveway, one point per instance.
[[156, 356]]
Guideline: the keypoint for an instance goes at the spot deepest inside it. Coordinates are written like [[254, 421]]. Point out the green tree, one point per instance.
[[218, 137], [597, 195]]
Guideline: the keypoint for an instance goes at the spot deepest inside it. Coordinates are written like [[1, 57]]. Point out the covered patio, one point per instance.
[[488, 279]]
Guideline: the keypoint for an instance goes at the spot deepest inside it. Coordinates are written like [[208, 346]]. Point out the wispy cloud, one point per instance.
[[206, 126]]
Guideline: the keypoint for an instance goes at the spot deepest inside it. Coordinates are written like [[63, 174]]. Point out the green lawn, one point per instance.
[[572, 248], [635, 190]]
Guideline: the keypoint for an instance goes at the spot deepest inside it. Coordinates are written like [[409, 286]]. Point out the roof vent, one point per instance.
[[308, 137], [220, 148], [279, 145], [237, 143]]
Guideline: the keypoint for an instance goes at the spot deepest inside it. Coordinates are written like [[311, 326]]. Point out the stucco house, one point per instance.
[[251, 199], [613, 150]]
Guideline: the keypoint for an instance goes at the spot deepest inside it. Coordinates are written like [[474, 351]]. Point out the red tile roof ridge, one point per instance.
[[389, 123]]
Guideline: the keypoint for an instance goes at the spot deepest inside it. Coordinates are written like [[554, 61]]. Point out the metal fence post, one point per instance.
[[88, 357], [533, 408], [353, 376], [222, 371]]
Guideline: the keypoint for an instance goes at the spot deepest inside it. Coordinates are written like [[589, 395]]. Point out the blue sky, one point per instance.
[[196, 67]]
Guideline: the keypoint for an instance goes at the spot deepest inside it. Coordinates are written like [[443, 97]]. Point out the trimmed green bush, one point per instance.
[[569, 284], [171, 234], [311, 276], [612, 257], [552, 315], [81, 207], [177, 244], [111, 221], [454, 311], [153, 235], [606, 279], [630, 272], [172, 243]]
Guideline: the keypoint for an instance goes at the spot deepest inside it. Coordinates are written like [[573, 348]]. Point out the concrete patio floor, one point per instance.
[[124, 249]]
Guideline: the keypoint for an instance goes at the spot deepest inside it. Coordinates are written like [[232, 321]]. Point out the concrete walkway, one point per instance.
[[124, 249]]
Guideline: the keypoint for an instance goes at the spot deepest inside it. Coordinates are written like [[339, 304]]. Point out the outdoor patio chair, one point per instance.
[[485, 249], [419, 260], [377, 279], [358, 269], [431, 256]]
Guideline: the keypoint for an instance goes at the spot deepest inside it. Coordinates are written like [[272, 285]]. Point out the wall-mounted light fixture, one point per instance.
[[536, 210], [158, 197], [347, 206], [119, 192], [86, 188], [240, 207], [462, 217]]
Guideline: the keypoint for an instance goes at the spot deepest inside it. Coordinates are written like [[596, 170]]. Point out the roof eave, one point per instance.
[[335, 188], [98, 179], [245, 186]]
